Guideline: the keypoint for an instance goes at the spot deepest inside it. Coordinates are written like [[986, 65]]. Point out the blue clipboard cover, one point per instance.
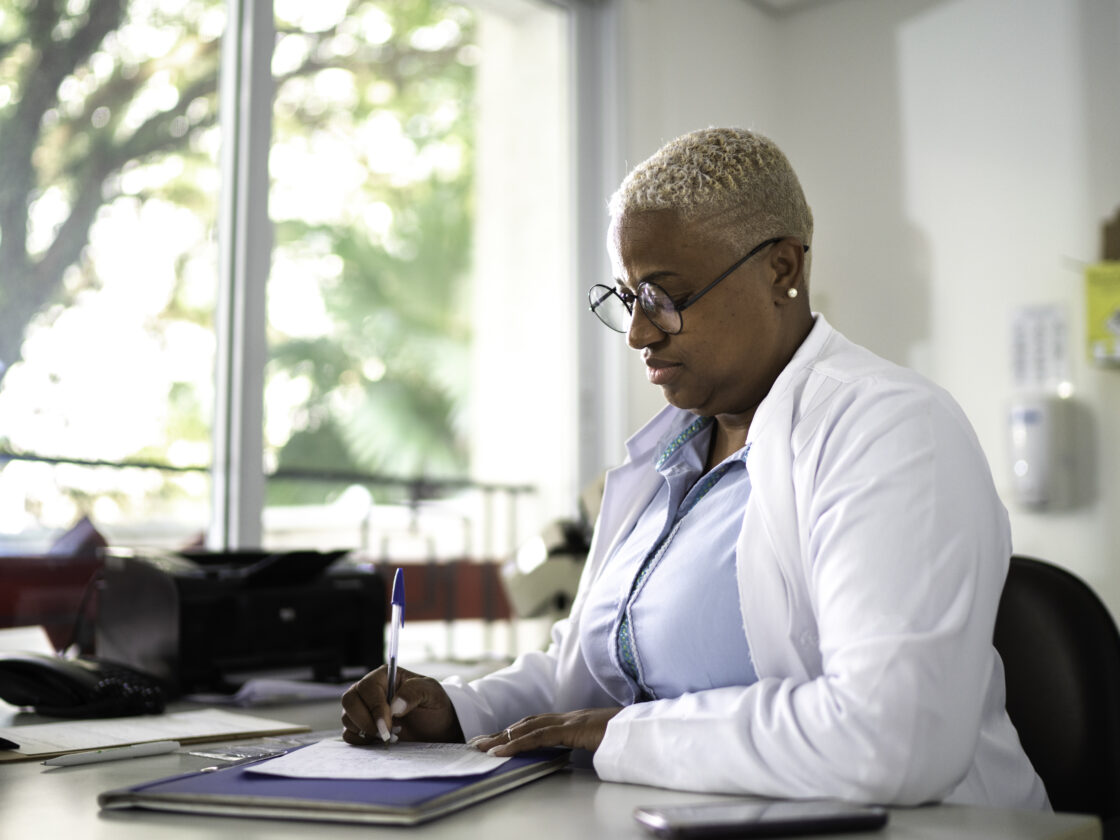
[[236, 791]]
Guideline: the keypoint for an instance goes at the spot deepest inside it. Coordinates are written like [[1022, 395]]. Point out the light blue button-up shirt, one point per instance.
[[663, 618]]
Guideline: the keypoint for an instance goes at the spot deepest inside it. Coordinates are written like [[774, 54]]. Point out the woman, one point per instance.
[[794, 577]]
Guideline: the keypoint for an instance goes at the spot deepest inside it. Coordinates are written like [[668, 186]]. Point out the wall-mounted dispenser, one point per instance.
[[1041, 460], [1040, 412]]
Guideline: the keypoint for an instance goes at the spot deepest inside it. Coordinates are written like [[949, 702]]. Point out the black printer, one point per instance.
[[205, 621]]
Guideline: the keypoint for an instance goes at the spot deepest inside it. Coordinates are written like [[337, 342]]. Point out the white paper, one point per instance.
[[335, 759], [1039, 348], [270, 691], [71, 736], [26, 639]]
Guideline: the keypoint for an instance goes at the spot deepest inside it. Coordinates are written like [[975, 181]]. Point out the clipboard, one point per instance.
[[236, 791]]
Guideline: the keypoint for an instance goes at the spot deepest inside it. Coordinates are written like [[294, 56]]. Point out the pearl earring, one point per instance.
[[791, 293]]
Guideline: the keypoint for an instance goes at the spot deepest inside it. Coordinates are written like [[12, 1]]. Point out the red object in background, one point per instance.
[[450, 591], [49, 590]]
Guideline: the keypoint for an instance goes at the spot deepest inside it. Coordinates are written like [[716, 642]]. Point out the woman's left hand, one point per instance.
[[582, 730]]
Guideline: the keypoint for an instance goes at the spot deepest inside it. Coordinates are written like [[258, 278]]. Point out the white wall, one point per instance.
[[960, 156], [688, 65]]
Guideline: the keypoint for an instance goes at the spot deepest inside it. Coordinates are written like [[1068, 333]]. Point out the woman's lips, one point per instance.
[[661, 372]]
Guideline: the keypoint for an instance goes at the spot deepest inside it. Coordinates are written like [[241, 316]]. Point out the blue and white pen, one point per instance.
[[396, 622]]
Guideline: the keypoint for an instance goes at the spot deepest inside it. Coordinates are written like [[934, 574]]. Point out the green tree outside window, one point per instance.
[[108, 142]]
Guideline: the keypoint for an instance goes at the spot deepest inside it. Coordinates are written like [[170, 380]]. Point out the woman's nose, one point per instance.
[[643, 332]]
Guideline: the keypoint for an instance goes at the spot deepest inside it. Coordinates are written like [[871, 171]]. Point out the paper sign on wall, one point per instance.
[[1102, 312], [1040, 349]]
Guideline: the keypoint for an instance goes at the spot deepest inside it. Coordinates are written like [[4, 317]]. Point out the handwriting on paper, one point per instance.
[[335, 759]]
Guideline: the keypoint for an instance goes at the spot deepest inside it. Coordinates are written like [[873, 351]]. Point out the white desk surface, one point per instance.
[[61, 802]]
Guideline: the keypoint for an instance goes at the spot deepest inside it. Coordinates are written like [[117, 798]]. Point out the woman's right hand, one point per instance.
[[421, 710]]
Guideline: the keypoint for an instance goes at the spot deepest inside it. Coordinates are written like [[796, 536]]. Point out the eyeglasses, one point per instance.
[[615, 309]]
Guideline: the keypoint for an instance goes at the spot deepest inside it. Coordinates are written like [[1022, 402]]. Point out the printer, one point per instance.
[[207, 621]]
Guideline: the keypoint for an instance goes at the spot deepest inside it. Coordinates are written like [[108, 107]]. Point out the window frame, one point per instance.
[[245, 246]]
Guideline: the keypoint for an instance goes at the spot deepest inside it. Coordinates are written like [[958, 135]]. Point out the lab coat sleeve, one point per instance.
[[892, 551], [493, 702], [555, 680], [537, 682]]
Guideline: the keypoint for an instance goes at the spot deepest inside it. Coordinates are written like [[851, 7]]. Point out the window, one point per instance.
[[108, 185], [420, 287]]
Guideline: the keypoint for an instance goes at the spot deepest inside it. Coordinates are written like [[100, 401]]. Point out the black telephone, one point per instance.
[[85, 687]]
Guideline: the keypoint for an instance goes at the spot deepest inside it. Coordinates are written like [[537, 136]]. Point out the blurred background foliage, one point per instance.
[[107, 106]]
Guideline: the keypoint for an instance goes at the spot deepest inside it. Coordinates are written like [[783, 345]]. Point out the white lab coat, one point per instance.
[[870, 563]]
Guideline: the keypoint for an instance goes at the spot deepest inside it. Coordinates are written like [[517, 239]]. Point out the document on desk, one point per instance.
[[335, 759], [41, 740], [268, 691]]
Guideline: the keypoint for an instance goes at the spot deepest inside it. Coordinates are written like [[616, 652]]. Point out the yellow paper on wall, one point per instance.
[[1102, 307]]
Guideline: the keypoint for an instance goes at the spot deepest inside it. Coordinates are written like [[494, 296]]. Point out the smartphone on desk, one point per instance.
[[759, 818]]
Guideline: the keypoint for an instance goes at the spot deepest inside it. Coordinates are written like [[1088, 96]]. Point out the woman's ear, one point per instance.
[[787, 263]]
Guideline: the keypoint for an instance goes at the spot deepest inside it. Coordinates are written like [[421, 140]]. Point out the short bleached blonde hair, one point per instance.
[[735, 174]]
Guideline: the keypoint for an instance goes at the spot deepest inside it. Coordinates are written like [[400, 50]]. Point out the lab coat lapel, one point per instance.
[[771, 547]]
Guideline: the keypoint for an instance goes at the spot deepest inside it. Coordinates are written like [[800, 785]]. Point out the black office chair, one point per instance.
[[1061, 653]]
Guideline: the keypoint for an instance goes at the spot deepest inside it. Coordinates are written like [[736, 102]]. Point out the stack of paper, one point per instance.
[[43, 740]]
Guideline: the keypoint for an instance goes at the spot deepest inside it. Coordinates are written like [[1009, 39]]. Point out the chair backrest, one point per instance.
[[1061, 654]]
